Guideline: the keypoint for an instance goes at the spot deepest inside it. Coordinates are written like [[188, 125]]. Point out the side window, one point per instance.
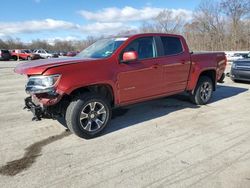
[[145, 47], [171, 45]]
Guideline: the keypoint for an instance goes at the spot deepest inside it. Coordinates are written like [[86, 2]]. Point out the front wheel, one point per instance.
[[14, 58], [88, 115], [203, 91]]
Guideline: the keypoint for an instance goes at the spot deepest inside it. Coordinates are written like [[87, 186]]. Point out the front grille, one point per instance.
[[245, 65], [242, 67]]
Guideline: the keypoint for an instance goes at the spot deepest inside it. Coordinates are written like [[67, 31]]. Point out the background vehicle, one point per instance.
[[55, 54], [62, 53], [35, 56], [236, 56], [43, 53], [118, 71], [240, 70], [22, 54], [71, 54], [5, 55], [246, 56]]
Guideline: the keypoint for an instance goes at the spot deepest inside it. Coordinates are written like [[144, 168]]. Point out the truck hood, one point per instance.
[[39, 66]]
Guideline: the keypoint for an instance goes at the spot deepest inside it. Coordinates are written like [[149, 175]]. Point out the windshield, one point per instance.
[[102, 48]]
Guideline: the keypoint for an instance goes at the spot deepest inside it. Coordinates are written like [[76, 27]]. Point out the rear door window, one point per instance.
[[171, 45]]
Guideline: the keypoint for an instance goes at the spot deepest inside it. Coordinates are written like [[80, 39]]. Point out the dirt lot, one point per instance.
[[162, 143]]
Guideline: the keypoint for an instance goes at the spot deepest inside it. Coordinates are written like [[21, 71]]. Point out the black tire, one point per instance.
[[203, 91], [88, 106], [14, 58]]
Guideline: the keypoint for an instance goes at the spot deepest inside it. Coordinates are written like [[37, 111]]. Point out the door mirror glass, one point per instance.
[[129, 56]]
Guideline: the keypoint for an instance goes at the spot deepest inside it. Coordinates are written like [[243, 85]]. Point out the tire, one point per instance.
[[29, 58], [203, 91], [88, 115], [14, 58]]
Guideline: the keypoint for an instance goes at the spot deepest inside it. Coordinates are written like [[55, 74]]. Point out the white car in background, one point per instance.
[[233, 56], [43, 53]]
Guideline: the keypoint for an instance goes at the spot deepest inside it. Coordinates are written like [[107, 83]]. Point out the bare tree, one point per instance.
[[210, 24], [166, 22], [36, 44], [237, 12], [215, 25], [3, 45], [14, 43], [147, 27], [63, 45]]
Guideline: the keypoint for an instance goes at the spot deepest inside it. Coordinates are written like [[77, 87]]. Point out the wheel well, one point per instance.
[[211, 74], [102, 89]]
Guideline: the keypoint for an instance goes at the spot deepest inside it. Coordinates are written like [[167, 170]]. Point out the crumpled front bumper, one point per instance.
[[38, 111]]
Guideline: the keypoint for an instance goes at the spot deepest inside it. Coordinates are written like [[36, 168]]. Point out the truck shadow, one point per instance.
[[138, 113]]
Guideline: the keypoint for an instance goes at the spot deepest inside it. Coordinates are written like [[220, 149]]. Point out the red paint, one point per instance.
[[20, 54], [131, 82]]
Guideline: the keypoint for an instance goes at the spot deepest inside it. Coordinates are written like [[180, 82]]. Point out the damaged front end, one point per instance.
[[37, 110], [40, 111], [43, 101]]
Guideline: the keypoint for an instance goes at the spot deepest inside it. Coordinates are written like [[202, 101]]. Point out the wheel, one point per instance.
[[29, 58], [15, 58], [88, 115], [203, 91]]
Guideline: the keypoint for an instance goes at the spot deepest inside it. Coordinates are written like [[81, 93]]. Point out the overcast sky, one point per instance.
[[76, 19]]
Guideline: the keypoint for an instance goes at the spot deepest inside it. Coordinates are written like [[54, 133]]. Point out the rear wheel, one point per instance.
[[15, 58], [88, 115], [203, 91]]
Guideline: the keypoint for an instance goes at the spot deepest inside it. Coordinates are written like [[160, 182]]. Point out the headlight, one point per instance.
[[41, 84]]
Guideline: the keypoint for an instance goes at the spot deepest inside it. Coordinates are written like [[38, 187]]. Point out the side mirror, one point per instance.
[[129, 56]]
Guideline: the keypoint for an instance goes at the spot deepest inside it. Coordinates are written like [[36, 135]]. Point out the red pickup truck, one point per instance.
[[118, 71]]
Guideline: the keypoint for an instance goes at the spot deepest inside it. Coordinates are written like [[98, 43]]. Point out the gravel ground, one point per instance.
[[167, 142]]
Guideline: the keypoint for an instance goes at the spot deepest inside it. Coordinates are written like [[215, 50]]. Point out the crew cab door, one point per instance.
[[176, 64], [141, 78]]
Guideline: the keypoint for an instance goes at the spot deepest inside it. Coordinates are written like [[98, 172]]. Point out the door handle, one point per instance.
[[183, 62]]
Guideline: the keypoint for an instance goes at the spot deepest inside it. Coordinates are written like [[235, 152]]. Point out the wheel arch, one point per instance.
[[105, 90], [211, 73]]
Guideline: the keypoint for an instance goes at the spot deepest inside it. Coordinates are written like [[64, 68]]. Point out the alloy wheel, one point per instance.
[[93, 116]]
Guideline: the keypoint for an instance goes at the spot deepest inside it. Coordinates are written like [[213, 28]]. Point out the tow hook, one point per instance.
[[35, 109]]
